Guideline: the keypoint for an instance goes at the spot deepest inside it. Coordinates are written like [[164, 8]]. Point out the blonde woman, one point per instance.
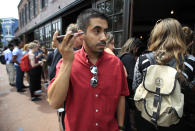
[[25, 49], [35, 77], [167, 44]]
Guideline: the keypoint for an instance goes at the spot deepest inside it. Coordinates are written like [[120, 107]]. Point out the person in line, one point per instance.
[[24, 52], [39, 56], [2, 57], [50, 57], [45, 66], [34, 71], [189, 93], [10, 64], [167, 44], [129, 52], [57, 56], [17, 55], [91, 81]]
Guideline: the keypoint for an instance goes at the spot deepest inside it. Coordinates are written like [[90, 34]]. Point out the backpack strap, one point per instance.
[[145, 61], [122, 55], [151, 58]]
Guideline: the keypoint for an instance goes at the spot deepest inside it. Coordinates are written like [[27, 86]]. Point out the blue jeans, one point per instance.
[[19, 78]]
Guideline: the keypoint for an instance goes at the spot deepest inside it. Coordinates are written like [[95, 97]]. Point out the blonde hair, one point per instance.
[[32, 45], [72, 27], [167, 41], [26, 46], [132, 46]]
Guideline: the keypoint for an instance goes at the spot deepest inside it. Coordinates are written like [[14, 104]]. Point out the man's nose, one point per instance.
[[103, 36]]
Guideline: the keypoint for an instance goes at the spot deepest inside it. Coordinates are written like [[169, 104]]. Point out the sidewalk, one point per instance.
[[19, 113]]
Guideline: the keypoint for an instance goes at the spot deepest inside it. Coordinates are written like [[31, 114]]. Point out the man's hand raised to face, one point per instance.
[[66, 46]]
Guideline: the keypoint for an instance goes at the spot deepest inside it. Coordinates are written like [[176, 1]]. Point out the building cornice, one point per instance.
[[20, 3]]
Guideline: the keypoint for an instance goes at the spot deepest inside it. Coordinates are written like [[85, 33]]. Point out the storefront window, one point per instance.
[[47, 35], [56, 25], [42, 35], [36, 34]]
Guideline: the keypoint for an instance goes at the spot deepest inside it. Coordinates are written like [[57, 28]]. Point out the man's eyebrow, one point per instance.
[[99, 27]]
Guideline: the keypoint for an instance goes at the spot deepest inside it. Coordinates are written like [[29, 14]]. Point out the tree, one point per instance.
[[1, 44]]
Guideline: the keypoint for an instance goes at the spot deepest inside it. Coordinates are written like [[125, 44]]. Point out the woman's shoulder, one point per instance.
[[31, 55]]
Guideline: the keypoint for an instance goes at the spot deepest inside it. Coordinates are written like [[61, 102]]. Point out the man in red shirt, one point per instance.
[[90, 81]]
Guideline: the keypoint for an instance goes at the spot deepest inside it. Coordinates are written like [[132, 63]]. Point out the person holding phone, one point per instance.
[[90, 81]]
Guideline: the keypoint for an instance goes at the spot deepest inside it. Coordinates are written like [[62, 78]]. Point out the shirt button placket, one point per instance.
[[96, 95], [96, 110]]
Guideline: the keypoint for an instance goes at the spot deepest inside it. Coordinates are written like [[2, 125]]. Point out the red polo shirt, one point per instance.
[[94, 109]]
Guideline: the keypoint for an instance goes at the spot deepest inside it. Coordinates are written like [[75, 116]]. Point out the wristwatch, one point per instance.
[[121, 128]]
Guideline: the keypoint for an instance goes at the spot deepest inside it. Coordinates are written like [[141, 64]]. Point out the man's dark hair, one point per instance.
[[15, 41], [10, 45], [85, 16]]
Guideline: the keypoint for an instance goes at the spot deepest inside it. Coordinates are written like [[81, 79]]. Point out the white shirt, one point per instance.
[[8, 55], [17, 52]]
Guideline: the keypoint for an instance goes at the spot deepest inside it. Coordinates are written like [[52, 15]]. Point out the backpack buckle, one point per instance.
[[156, 100]]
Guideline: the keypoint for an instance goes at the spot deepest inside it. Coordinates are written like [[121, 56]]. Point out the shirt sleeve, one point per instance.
[[125, 89]]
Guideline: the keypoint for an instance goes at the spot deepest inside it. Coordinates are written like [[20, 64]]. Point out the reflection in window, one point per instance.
[[117, 40], [108, 8], [118, 6], [118, 22], [110, 23], [41, 33], [101, 7], [48, 35], [56, 25], [36, 34]]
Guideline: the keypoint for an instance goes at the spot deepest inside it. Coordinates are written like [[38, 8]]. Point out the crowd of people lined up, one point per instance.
[[103, 92], [38, 66]]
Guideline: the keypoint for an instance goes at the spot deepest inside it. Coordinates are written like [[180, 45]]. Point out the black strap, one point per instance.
[[156, 103], [121, 55]]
